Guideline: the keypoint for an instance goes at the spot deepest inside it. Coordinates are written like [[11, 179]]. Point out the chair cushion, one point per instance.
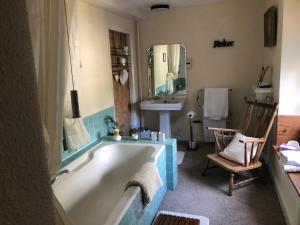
[[235, 150]]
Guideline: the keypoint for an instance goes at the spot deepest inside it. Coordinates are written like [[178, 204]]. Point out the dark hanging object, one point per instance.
[[270, 27], [75, 104], [74, 93]]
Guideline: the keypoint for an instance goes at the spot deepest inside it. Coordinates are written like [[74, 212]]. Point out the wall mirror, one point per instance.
[[167, 70]]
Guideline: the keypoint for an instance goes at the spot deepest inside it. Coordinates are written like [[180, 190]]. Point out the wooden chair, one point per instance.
[[257, 122]]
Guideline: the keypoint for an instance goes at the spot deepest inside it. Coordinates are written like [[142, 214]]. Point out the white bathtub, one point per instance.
[[92, 193]]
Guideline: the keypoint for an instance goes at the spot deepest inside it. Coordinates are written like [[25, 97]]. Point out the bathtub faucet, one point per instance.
[[57, 175]]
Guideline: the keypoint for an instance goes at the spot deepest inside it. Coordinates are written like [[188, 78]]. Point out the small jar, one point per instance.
[[135, 136]]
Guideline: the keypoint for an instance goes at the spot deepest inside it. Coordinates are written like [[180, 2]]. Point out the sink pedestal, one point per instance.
[[164, 107], [165, 123]]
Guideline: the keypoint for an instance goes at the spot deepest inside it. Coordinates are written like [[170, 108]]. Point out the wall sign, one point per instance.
[[224, 43]]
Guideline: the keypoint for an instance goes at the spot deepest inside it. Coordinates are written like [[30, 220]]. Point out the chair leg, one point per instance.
[[206, 168], [231, 184]]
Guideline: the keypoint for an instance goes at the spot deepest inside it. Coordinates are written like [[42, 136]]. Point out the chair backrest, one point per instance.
[[257, 121]]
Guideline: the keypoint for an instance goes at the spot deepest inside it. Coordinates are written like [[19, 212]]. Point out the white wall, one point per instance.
[[96, 88], [286, 79], [197, 28], [290, 64]]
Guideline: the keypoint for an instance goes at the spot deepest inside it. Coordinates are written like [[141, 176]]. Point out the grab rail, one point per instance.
[[56, 176]]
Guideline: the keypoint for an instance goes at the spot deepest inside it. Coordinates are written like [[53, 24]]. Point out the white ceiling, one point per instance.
[[139, 7]]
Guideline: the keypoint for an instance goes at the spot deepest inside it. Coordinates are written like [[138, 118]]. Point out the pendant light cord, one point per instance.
[[68, 37]]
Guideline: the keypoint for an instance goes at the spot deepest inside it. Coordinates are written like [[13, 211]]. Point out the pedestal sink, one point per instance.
[[164, 107]]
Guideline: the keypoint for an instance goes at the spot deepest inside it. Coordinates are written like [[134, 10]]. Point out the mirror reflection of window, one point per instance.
[[169, 69]]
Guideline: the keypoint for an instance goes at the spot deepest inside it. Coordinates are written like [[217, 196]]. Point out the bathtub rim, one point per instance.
[[88, 155], [128, 196], [120, 209]]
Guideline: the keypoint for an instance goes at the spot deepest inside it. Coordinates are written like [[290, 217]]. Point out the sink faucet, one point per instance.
[[57, 175]]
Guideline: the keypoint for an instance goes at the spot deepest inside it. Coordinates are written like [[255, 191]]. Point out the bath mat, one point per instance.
[[172, 218], [180, 156]]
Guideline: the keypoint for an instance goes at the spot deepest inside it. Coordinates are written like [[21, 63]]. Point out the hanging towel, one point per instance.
[[148, 179], [215, 103], [291, 169], [75, 133]]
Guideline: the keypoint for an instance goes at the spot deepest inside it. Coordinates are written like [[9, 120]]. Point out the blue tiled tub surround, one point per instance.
[[95, 124], [96, 127], [171, 164], [137, 214]]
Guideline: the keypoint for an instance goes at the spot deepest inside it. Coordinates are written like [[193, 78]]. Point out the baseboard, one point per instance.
[[284, 210], [182, 142], [200, 142]]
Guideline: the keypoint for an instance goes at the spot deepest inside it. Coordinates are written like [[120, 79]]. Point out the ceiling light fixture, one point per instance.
[[159, 7]]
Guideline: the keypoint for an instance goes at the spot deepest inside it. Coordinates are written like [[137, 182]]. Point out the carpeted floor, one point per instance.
[[255, 204]]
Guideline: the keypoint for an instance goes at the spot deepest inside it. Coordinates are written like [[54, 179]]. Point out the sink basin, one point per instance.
[[161, 105]]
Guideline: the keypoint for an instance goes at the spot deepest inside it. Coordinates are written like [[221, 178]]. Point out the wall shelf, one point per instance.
[[119, 52], [119, 49]]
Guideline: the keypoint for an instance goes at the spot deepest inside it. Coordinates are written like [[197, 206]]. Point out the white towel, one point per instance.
[[289, 168], [215, 103], [76, 133], [290, 157], [148, 179]]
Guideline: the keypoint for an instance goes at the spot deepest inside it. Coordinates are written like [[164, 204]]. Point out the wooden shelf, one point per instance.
[[119, 52], [294, 177], [118, 55]]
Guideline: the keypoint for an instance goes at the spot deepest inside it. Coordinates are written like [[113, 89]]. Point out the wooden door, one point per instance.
[[121, 92]]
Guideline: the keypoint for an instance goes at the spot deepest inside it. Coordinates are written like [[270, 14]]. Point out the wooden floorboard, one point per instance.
[[164, 219]]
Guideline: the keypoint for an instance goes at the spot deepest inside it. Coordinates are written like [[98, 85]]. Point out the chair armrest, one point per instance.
[[251, 140], [221, 136], [223, 129]]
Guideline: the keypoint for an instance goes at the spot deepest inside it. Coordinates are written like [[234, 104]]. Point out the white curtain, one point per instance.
[[173, 65], [50, 49], [49, 40]]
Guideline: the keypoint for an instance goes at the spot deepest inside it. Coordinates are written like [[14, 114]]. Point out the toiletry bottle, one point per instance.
[[154, 136], [162, 136]]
